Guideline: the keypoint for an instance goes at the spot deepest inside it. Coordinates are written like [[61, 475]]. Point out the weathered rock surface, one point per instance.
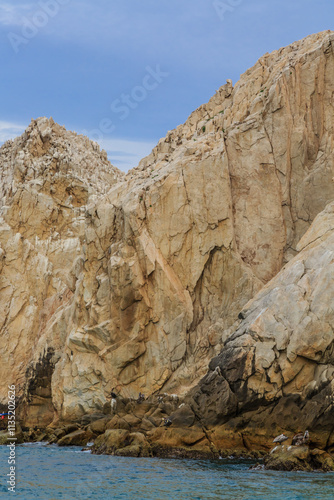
[[6, 437], [299, 458], [76, 438], [48, 176], [137, 429], [276, 370], [136, 281]]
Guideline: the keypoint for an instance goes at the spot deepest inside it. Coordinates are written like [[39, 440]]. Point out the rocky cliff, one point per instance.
[[136, 281], [276, 370]]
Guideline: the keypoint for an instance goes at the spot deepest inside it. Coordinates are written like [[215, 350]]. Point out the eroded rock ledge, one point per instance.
[[137, 429], [299, 458]]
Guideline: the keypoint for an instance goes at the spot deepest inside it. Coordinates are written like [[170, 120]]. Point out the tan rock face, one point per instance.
[[46, 181], [277, 367], [134, 281]]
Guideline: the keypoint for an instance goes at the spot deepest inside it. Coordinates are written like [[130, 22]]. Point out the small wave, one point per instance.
[[38, 443]]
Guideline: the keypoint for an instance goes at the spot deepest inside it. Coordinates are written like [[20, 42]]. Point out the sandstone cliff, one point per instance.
[[135, 281]]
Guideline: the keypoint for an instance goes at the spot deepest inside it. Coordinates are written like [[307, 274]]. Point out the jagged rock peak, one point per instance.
[[47, 150], [234, 107]]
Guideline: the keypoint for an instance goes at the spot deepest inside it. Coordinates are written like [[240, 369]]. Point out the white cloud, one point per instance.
[[77, 21], [10, 130], [12, 15]]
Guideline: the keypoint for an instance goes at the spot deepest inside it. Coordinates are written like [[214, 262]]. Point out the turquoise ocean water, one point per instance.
[[49, 472]]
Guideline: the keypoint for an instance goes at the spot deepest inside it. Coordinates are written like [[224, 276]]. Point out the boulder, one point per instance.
[[298, 458], [99, 426], [110, 441], [76, 438]]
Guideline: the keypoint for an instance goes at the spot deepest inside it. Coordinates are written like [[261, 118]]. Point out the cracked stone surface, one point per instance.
[[279, 361], [135, 281]]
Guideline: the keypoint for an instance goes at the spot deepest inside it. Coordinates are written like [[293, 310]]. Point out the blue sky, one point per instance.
[[124, 72]]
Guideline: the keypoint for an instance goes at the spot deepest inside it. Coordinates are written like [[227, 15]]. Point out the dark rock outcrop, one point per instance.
[[299, 458]]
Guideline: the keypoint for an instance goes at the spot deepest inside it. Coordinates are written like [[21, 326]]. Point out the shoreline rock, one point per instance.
[[299, 458], [126, 433]]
